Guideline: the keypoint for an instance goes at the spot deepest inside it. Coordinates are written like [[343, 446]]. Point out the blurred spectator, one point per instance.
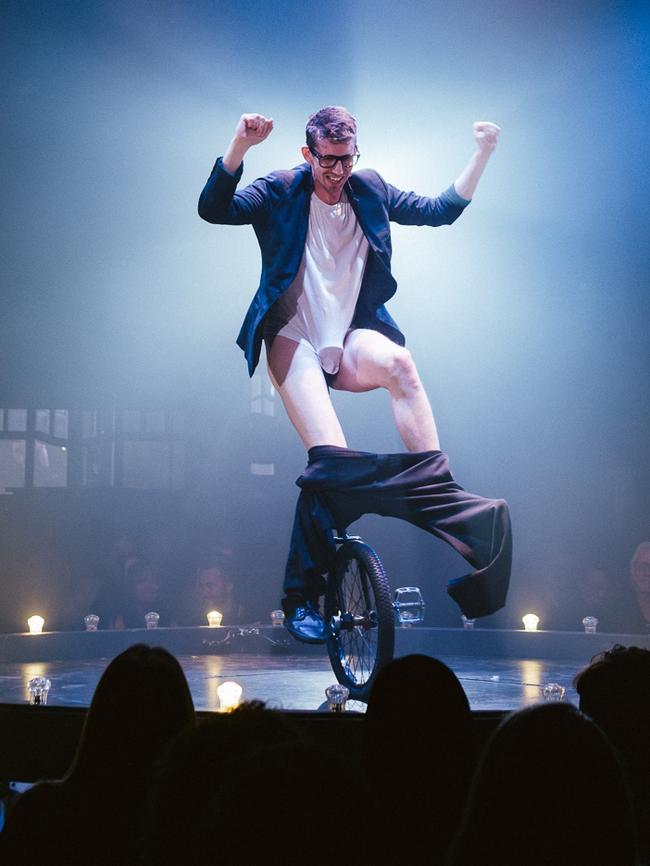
[[639, 612], [620, 606], [418, 729], [545, 579], [548, 791], [113, 584], [212, 589], [251, 787], [93, 814], [592, 592], [614, 690], [141, 592]]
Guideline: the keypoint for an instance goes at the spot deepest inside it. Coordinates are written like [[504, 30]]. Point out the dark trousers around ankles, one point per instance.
[[338, 486]]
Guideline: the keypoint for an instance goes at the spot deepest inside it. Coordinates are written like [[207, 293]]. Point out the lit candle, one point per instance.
[[35, 624], [214, 618], [229, 695], [530, 621]]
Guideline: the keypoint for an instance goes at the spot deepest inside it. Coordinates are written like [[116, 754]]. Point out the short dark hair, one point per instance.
[[332, 123], [614, 689]]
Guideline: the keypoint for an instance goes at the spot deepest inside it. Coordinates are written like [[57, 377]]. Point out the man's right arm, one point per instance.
[[251, 129], [218, 202]]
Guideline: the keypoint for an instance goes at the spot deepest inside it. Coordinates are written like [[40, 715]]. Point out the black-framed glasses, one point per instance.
[[348, 160]]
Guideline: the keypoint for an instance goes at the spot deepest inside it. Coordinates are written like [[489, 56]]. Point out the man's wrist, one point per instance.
[[234, 155], [484, 153]]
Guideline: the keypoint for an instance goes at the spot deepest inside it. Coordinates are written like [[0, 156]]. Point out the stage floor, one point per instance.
[[295, 682]]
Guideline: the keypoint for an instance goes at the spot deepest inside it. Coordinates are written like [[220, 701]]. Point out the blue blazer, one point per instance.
[[277, 206]]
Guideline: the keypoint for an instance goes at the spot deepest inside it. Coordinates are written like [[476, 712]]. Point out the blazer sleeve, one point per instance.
[[221, 203], [410, 209]]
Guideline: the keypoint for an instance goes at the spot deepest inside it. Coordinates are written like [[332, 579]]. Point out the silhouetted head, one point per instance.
[[548, 789], [614, 690], [418, 729], [141, 701], [419, 692], [196, 776]]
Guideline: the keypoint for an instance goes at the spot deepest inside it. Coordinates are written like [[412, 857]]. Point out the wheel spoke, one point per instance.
[[358, 644]]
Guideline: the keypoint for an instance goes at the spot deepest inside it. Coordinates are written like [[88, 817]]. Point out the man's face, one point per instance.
[[329, 182], [211, 583], [146, 586], [640, 570]]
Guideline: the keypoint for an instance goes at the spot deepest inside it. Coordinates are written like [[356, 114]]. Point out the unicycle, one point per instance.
[[359, 616]]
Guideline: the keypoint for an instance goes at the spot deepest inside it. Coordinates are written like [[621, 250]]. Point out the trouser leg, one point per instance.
[[418, 488]]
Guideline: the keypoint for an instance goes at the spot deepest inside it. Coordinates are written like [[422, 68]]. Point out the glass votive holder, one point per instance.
[[553, 692], [409, 605], [590, 623], [467, 622], [530, 621], [229, 694], [151, 619], [91, 621], [35, 624], [215, 618], [277, 617], [38, 689], [337, 696]]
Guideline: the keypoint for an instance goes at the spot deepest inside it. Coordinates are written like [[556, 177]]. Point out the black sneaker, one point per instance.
[[303, 621]]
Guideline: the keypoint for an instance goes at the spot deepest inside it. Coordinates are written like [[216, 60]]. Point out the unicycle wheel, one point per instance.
[[359, 618]]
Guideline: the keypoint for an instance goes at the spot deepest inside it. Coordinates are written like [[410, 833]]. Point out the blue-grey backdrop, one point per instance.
[[528, 318]]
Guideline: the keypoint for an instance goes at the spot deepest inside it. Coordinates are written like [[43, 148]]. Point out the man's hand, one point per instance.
[[253, 128], [486, 135]]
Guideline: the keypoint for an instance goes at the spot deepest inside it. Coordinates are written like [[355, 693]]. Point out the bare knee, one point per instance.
[[401, 372]]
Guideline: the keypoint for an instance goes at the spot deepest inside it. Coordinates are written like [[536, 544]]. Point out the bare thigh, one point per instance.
[[368, 361], [296, 373]]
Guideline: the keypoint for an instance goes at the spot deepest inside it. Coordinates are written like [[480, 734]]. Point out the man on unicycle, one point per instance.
[[324, 236]]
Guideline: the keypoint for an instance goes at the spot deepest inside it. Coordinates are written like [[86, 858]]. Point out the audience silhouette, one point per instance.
[[614, 690], [548, 791], [419, 753], [249, 786], [151, 786], [93, 814]]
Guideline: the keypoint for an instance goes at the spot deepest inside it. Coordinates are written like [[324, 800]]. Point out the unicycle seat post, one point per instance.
[[338, 536]]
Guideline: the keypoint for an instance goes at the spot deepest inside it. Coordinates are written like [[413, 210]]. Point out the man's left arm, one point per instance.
[[408, 208], [485, 135]]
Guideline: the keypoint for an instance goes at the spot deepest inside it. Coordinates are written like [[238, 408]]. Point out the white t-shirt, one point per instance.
[[318, 306]]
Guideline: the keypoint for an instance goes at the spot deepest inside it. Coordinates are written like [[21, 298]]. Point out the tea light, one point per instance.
[[229, 696], [35, 624], [530, 621]]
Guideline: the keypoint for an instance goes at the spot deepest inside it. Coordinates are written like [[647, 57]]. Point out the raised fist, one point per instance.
[[486, 134], [253, 128]]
